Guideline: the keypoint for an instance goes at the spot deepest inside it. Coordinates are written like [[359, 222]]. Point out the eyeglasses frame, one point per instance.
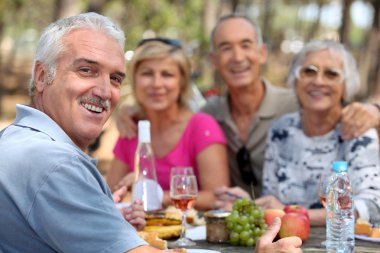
[[318, 70]]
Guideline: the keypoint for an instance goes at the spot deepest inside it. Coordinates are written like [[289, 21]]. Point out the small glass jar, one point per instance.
[[216, 228]]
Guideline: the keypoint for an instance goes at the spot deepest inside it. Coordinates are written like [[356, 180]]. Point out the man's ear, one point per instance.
[[40, 76], [263, 54]]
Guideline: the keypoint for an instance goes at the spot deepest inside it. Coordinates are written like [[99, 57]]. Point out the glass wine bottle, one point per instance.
[[145, 186]]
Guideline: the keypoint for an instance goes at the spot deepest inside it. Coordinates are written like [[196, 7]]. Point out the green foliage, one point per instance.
[[181, 19]]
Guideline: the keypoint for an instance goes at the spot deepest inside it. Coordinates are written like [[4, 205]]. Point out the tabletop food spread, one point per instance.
[[366, 231], [165, 226]]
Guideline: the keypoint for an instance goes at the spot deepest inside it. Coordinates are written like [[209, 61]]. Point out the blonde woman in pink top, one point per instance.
[[160, 73]]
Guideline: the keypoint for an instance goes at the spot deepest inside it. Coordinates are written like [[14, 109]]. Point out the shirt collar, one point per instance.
[[267, 108], [224, 113], [27, 116]]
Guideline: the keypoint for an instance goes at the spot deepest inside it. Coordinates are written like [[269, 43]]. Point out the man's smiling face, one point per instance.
[[237, 55], [86, 87]]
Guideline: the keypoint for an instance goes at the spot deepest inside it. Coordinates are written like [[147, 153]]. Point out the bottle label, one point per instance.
[[150, 192]]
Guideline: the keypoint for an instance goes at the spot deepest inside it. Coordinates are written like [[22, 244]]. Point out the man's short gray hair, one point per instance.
[[259, 37], [350, 70], [50, 46]]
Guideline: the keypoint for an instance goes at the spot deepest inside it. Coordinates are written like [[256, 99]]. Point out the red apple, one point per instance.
[[297, 209], [270, 214], [295, 224]]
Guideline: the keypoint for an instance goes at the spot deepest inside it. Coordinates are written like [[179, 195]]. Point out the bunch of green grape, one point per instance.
[[245, 223]]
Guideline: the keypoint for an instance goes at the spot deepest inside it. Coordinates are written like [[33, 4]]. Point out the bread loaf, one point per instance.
[[153, 240], [165, 232]]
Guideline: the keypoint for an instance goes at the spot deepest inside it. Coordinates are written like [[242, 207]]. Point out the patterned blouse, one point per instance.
[[294, 163]]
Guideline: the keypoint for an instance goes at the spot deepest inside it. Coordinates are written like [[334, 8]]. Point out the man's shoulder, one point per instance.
[[29, 144], [279, 91], [217, 107], [214, 102]]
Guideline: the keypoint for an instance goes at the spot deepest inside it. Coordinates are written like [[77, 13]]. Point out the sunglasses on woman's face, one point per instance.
[[243, 159], [330, 75], [170, 42]]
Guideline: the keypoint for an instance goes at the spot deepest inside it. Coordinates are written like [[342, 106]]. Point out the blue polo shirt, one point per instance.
[[52, 197]]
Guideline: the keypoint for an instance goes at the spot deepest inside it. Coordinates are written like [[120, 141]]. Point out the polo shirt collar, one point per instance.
[[267, 108], [27, 116], [224, 112]]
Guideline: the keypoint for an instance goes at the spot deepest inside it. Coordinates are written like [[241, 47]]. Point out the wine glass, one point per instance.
[[181, 170], [323, 185], [183, 193]]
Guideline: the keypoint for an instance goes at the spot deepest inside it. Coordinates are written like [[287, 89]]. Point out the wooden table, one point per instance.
[[313, 244]]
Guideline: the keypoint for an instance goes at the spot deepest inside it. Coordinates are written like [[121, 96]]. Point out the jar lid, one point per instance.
[[217, 214]]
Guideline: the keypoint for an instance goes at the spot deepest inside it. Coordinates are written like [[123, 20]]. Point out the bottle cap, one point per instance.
[[144, 131], [340, 166]]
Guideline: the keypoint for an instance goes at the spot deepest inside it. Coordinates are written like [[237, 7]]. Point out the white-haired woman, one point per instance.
[[303, 145]]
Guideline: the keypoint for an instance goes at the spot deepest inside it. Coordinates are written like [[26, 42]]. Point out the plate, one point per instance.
[[367, 238], [201, 251], [196, 233]]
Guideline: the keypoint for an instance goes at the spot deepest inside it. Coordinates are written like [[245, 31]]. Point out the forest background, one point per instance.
[[286, 25]]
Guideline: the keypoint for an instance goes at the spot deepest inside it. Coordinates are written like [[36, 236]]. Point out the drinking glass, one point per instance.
[[181, 170], [183, 193], [323, 183]]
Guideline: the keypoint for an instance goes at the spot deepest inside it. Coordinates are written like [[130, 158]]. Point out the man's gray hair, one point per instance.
[[50, 46], [350, 70], [259, 37]]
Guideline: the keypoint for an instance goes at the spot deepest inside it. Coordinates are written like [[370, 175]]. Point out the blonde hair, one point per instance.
[[158, 50]]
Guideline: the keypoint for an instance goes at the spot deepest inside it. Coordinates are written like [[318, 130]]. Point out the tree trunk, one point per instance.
[[209, 16], [373, 80], [345, 26], [268, 14], [65, 8], [226, 7], [211, 12], [1, 70], [315, 26], [95, 5]]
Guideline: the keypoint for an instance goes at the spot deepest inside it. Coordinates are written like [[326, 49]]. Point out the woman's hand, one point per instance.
[[134, 214], [226, 196], [269, 202], [119, 194], [127, 181]]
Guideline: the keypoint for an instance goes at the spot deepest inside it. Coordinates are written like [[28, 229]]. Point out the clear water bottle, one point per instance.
[[340, 218], [145, 186]]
